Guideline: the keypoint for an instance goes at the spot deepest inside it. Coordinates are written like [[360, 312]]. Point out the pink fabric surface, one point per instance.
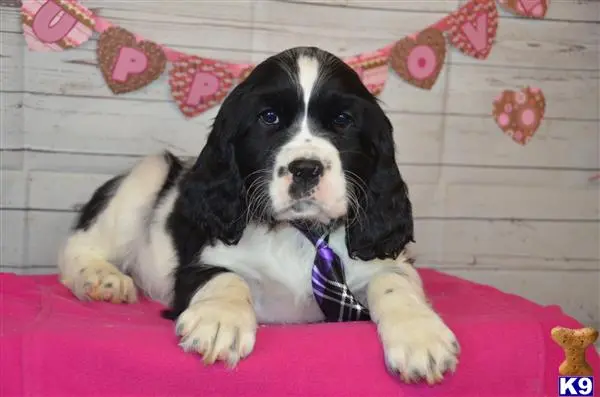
[[53, 345]]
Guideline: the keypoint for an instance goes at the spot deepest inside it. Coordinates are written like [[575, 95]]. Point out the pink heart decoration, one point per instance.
[[56, 25], [198, 84], [473, 28], [519, 114], [526, 8]]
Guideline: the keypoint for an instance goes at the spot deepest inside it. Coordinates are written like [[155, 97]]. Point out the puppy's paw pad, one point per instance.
[[219, 331], [419, 350]]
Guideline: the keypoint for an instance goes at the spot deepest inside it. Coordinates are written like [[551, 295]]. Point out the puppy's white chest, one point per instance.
[[277, 265]]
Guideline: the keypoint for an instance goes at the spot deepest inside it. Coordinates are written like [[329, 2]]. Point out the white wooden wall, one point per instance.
[[525, 219]]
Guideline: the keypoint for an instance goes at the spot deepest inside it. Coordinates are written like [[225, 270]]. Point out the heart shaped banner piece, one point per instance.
[[56, 25], [419, 59], [473, 28], [526, 8], [519, 114], [372, 68], [126, 64], [198, 84]]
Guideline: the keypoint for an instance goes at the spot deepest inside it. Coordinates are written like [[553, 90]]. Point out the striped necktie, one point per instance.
[[329, 284]]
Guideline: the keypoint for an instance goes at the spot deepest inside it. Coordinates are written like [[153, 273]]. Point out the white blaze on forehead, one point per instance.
[[308, 73]]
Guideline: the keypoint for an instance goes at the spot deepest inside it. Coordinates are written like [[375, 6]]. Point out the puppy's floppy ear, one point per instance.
[[212, 193], [386, 226]]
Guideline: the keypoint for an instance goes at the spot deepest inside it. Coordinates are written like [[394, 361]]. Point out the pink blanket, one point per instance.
[[53, 345]]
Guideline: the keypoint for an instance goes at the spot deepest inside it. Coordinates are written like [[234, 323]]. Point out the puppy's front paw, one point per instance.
[[102, 281], [218, 329], [419, 348]]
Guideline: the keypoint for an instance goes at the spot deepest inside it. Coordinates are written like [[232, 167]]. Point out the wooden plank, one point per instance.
[[207, 12], [575, 292], [574, 10], [401, 97], [112, 126], [13, 188], [10, 19], [62, 191], [562, 10], [326, 3], [405, 5], [344, 31], [12, 49], [11, 120], [79, 163], [531, 245], [552, 178], [47, 233], [557, 143], [29, 270], [10, 160], [12, 227], [570, 94], [501, 201]]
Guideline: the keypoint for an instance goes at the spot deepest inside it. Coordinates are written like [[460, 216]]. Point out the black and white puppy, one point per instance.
[[300, 139]]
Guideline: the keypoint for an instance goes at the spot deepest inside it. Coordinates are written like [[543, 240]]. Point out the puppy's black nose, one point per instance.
[[305, 170]]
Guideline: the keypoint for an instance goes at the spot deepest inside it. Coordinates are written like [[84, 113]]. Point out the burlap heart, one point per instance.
[[526, 8], [419, 59], [126, 64], [44, 32], [198, 84], [519, 114], [473, 28]]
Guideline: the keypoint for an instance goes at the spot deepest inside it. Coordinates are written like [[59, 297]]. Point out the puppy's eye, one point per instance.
[[269, 117], [343, 120]]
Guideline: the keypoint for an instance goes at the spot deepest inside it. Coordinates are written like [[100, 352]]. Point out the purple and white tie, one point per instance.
[[329, 284]]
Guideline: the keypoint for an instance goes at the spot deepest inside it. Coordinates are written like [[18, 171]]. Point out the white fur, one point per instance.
[[219, 323], [417, 343]]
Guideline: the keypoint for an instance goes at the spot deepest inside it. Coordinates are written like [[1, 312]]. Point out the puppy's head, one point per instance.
[[303, 139]]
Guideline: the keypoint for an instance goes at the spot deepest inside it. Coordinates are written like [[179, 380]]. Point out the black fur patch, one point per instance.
[[89, 212], [175, 169], [190, 276]]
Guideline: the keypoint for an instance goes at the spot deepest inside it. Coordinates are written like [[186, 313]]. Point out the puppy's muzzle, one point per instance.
[[306, 174]]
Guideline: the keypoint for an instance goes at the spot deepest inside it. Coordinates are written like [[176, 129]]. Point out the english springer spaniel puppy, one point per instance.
[[299, 146]]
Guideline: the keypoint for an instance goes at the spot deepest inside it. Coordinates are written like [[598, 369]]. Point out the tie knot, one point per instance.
[[317, 238], [324, 251]]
